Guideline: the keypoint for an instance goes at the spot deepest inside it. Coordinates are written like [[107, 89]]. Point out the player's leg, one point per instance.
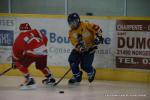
[[74, 60], [86, 65], [41, 64], [22, 65]]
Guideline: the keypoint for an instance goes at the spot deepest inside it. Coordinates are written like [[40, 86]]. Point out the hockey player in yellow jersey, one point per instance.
[[84, 37]]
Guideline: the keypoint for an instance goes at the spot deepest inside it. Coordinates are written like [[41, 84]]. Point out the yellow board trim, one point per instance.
[[64, 17], [131, 75]]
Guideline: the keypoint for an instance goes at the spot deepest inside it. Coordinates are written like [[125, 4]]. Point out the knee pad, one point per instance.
[[86, 68], [72, 64]]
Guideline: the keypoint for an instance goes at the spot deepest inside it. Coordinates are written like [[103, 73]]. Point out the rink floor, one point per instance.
[[98, 90]]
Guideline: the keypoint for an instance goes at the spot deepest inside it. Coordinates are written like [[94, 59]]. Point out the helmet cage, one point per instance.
[[74, 23]]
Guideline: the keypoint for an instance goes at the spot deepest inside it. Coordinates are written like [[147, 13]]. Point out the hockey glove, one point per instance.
[[80, 46], [92, 49], [98, 40]]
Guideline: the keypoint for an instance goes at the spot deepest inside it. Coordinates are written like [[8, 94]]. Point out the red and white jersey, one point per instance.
[[31, 43]]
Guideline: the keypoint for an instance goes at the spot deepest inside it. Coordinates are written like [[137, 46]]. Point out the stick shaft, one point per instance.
[[5, 71], [62, 77]]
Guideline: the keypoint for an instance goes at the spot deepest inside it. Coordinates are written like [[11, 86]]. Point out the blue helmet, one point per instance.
[[73, 20]]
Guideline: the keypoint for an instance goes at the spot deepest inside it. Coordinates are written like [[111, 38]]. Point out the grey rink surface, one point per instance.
[[98, 90]]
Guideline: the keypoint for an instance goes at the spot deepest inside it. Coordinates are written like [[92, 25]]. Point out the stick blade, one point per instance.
[[55, 84]]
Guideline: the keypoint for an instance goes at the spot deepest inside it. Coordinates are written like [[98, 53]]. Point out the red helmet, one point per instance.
[[24, 26]]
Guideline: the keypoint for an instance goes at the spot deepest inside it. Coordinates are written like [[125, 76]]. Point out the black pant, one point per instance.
[[84, 59]]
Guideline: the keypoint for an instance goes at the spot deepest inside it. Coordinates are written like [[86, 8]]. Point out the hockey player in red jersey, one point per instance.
[[29, 47]]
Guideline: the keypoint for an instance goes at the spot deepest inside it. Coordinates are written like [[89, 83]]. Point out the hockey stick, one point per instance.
[[62, 78], [5, 71], [8, 69]]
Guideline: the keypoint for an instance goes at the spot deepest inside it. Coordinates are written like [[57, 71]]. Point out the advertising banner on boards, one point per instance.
[[133, 44]]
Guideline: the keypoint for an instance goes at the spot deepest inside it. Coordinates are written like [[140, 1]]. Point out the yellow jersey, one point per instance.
[[87, 31]]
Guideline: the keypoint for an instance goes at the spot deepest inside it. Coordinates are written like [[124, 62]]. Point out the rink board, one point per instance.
[[102, 73], [109, 73]]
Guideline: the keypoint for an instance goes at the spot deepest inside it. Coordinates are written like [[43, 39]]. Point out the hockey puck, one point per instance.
[[61, 91]]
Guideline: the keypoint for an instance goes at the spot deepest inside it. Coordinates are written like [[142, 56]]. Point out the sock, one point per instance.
[[46, 71], [27, 76]]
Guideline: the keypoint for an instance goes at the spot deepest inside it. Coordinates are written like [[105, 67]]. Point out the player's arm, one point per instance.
[[73, 42], [45, 40], [98, 34], [80, 45], [40, 35], [96, 31], [76, 42]]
